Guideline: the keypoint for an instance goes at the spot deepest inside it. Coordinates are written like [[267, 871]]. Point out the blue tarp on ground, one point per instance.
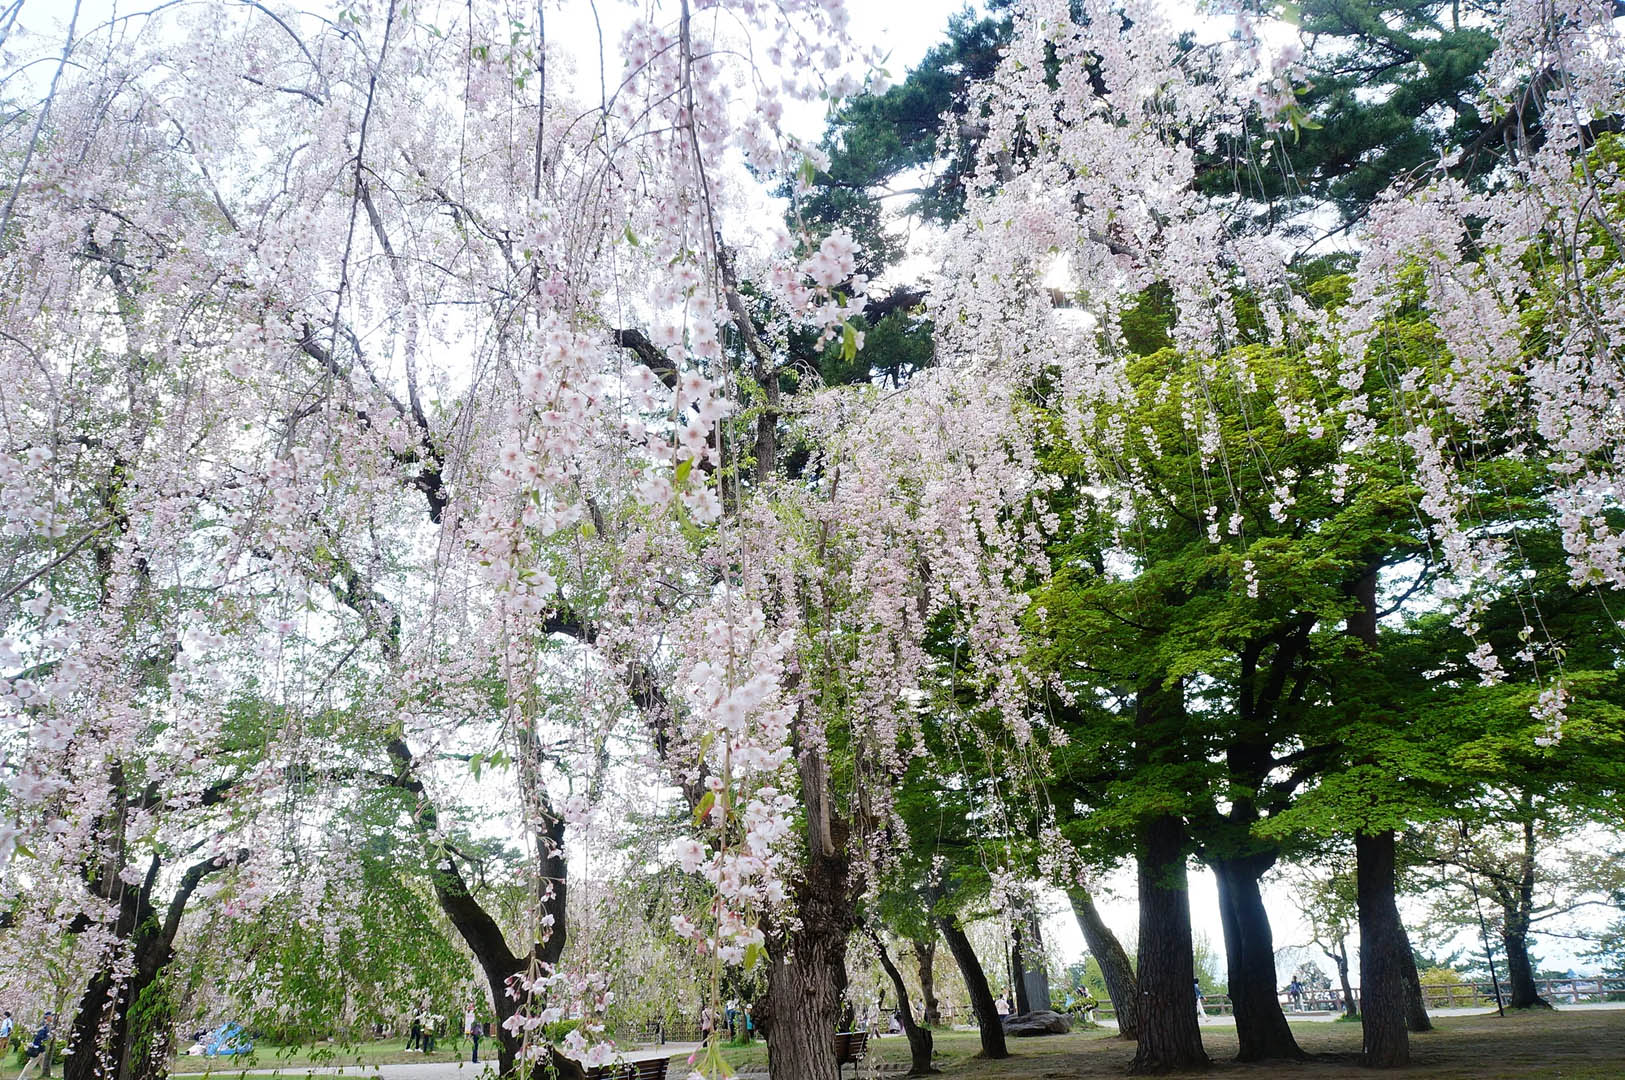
[[226, 1040]]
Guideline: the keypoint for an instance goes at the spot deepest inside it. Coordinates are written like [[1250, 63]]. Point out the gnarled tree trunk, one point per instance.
[[109, 1039], [1384, 955], [1170, 1038], [1249, 948], [806, 972], [478, 929], [1121, 985]]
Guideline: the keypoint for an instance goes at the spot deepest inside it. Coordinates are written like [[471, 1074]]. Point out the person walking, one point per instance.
[[1294, 990], [1201, 1002], [473, 1029], [39, 1050], [7, 1026], [414, 1038]]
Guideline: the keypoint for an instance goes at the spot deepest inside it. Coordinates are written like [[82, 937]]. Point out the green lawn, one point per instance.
[[294, 1059]]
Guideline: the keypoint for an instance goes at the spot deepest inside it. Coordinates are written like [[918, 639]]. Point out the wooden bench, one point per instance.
[[653, 1069], [849, 1049]]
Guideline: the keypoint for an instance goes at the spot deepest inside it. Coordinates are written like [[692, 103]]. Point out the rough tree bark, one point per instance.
[[981, 997], [1383, 954], [806, 973], [925, 957], [124, 1025], [1121, 985], [920, 1040], [1170, 1038], [1036, 978], [1249, 947]]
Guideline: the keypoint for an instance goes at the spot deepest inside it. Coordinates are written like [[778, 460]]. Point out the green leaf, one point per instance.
[[704, 806], [849, 342]]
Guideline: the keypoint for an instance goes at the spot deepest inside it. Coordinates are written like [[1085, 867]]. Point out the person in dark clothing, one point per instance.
[[38, 1049], [414, 1039]]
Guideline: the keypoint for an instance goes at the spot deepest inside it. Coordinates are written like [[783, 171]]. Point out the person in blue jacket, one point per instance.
[[37, 1048]]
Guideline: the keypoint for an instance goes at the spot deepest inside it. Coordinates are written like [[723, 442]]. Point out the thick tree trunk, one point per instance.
[[1384, 955], [123, 1029], [807, 969], [925, 956], [981, 997], [1517, 904], [1170, 1038], [1121, 985], [920, 1040], [1018, 972], [120, 1031], [1249, 947], [1520, 972]]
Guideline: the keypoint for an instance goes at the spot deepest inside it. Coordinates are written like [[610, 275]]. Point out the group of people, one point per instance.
[[36, 1050], [870, 1020], [1301, 996], [421, 1035], [739, 1017]]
